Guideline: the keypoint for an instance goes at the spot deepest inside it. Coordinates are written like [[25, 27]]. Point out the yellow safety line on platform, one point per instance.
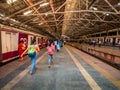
[[86, 75], [20, 76], [102, 71]]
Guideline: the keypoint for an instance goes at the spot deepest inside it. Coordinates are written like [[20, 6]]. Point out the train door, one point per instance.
[[14, 45], [104, 40], [23, 37], [113, 42], [9, 45], [8, 42], [30, 38], [6, 45]]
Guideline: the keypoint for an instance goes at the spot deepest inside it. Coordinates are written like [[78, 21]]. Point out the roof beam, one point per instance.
[[103, 21], [53, 10], [39, 14], [31, 19], [26, 8], [98, 16], [111, 6], [76, 11], [60, 7], [92, 3]]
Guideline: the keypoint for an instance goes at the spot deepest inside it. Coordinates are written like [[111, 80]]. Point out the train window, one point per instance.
[[118, 41], [97, 35], [88, 36], [103, 34], [92, 35], [34, 38], [30, 39], [38, 40], [112, 33]]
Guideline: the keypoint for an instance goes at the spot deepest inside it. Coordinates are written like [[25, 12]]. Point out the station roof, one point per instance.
[[70, 18]]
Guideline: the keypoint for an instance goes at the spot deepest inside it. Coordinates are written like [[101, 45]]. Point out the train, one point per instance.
[[109, 38], [10, 38]]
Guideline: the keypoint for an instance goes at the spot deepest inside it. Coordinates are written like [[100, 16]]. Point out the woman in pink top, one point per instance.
[[50, 50]]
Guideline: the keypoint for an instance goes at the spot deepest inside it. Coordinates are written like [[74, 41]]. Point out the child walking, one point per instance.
[[50, 50]]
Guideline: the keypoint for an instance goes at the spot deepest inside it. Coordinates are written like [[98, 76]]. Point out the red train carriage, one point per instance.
[[10, 38]]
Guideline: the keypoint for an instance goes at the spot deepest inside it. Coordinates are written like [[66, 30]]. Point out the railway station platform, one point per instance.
[[107, 49], [72, 70], [109, 54]]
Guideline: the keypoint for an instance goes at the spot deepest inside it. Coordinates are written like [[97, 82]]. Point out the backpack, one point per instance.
[[31, 51], [50, 50]]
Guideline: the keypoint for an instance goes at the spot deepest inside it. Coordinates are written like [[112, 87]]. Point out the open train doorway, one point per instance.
[[113, 43]]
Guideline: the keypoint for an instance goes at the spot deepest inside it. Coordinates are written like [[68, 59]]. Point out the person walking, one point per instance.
[[50, 50], [33, 50]]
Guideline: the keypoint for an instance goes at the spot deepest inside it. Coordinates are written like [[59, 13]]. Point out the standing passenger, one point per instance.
[[61, 43], [94, 43], [21, 48], [33, 50], [100, 43], [58, 46], [55, 43]]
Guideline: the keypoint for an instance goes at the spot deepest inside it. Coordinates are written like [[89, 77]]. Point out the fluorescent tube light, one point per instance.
[[44, 4], [40, 24], [94, 8], [107, 14], [27, 12]]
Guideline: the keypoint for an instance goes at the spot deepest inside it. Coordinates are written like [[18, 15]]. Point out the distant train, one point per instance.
[[10, 38], [111, 38]]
